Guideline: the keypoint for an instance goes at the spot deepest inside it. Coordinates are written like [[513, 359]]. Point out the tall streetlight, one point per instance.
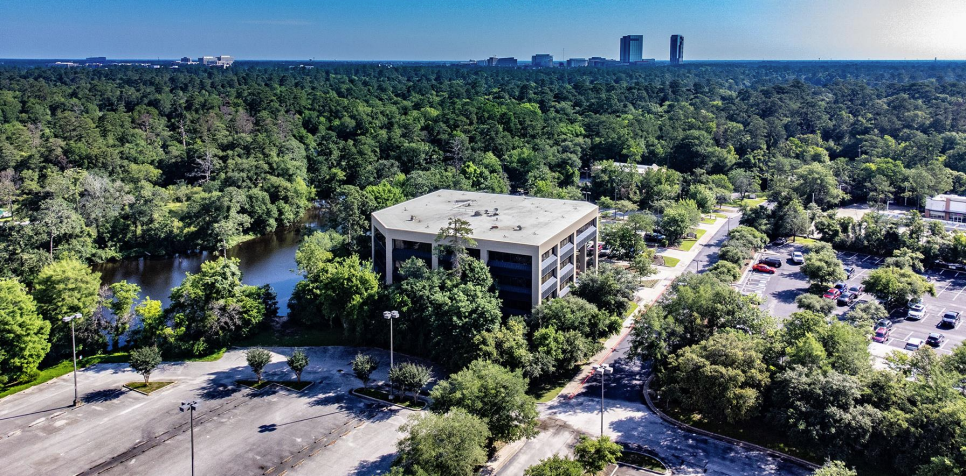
[[190, 407], [602, 369], [389, 316], [697, 265], [73, 344]]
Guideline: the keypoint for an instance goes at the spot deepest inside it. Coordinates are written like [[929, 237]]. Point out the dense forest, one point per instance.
[[101, 164]]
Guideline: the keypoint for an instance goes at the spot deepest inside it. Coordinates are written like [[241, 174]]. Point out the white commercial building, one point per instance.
[[946, 207], [534, 247]]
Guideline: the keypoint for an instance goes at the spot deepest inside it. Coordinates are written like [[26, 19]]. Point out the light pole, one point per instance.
[[190, 407], [697, 265], [73, 345], [603, 369], [389, 316]]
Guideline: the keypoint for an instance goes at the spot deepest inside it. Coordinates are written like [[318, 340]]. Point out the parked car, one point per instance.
[[849, 271], [846, 298], [884, 323], [857, 289], [913, 344], [832, 294], [652, 236], [915, 312], [840, 286], [798, 257], [882, 335], [771, 261], [935, 339], [779, 242], [763, 268], [950, 319]]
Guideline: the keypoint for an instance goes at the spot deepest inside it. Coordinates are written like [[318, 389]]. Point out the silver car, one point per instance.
[[916, 312]]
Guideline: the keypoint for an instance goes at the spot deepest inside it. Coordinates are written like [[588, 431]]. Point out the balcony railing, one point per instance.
[[566, 272], [548, 287], [567, 250], [586, 236]]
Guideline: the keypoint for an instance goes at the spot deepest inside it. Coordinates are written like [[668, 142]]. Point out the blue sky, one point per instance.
[[465, 29]]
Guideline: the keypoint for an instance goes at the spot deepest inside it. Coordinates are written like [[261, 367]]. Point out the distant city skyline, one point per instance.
[[452, 31]]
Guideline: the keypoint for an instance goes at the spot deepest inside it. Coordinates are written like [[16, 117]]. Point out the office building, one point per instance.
[[677, 49], [946, 207], [223, 61], [632, 48], [534, 247], [576, 62], [506, 62], [542, 61]]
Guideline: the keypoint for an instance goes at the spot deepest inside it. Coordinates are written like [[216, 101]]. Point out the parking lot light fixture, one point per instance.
[[73, 344], [602, 369], [389, 316], [190, 407]]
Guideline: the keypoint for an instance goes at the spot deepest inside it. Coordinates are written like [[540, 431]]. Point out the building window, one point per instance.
[[566, 241], [546, 277], [547, 254], [565, 262], [412, 245], [380, 238], [586, 226], [510, 258], [473, 252]]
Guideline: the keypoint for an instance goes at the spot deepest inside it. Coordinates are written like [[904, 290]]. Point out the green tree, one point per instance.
[[345, 288], [723, 377], [410, 376], [624, 242], [792, 220], [679, 218], [834, 468], [595, 454], [63, 288], [257, 359], [725, 271], [363, 366], [495, 395], [144, 360], [822, 267], [817, 304], [555, 466], [452, 241], [298, 362], [123, 296], [610, 288], [317, 249], [444, 445], [23, 332], [643, 263], [897, 286]]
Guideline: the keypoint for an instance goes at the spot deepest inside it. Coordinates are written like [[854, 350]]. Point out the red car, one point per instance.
[[763, 268], [881, 335], [832, 294]]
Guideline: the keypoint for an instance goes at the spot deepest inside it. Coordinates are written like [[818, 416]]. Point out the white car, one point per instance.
[[798, 258], [916, 312], [914, 344]]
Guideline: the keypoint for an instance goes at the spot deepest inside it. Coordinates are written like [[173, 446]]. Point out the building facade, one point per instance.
[[677, 49], [632, 48], [534, 247], [542, 61], [946, 207], [576, 62]]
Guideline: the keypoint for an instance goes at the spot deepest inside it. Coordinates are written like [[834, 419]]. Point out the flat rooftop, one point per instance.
[[493, 217]]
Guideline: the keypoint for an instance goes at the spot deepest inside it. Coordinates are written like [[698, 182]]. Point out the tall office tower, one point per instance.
[[542, 61], [632, 48], [677, 49]]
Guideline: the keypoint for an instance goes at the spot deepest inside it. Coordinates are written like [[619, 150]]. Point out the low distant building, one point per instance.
[[576, 62], [507, 62], [223, 61], [641, 169], [542, 61], [946, 207], [96, 59], [534, 247]]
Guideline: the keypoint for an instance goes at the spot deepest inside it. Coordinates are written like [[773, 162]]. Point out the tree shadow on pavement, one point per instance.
[[379, 465], [221, 384], [101, 396], [787, 296]]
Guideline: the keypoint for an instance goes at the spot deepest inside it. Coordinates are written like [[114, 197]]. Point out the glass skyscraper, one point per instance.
[[677, 49], [632, 48]]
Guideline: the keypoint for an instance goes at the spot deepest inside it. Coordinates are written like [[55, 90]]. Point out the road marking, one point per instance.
[[133, 407]]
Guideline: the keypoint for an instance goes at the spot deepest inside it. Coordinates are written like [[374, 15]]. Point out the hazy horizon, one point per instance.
[[422, 30]]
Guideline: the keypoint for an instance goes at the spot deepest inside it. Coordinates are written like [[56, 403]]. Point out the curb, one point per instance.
[[725, 439], [359, 395], [148, 394]]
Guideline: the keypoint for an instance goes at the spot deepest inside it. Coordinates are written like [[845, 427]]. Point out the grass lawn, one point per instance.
[[62, 368], [632, 309], [216, 355], [686, 245], [380, 395], [708, 221], [720, 215], [803, 241], [295, 337], [669, 261], [147, 387], [751, 202], [649, 283], [642, 460], [548, 390]]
